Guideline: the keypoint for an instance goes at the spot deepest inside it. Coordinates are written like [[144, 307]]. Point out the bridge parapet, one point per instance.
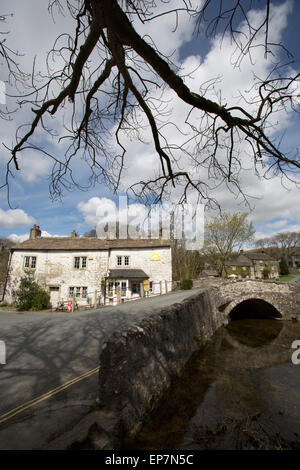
[[227, 294]]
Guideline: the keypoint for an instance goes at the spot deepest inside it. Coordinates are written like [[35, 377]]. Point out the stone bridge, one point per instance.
[[239, 298]]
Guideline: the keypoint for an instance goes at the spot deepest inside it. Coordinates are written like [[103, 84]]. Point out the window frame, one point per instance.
[[78, 292], [32, 260], [122, 259], [82, 263]]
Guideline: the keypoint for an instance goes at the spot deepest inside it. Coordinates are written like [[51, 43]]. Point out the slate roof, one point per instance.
[[246, 259], [127, 274], [87, 243], [239, 261], [262, 256]]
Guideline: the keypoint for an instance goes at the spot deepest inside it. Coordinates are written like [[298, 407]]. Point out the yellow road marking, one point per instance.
[[45, 396]]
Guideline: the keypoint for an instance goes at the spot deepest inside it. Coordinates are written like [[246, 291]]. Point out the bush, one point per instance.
[[283, 267], [30, 295], [266, 273], [40, 300], [186, 284]]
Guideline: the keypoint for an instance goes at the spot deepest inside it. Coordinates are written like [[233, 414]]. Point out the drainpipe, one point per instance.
[[7, 273], [107, 274]]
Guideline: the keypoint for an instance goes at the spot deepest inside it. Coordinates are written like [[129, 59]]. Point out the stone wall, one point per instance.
[[136, 366], [285, 297]]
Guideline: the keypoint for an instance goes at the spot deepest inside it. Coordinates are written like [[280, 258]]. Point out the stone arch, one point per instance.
[[252, 307]]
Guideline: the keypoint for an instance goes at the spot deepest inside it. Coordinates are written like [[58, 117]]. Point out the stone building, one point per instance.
[[91, 270], [253, 265]]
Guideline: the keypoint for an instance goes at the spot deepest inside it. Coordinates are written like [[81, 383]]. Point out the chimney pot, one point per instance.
[[34, 232]]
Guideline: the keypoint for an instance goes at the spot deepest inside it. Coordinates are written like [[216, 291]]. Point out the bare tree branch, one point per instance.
[[108, 84]]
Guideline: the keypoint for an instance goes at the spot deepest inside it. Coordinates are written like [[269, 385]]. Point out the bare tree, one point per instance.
[[186, 264], [107, 81], [282, 245]]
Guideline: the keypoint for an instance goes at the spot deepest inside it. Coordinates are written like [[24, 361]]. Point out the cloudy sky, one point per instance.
[[32, 32]]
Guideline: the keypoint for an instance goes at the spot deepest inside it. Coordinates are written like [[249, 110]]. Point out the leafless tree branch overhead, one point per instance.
[[113, 82]]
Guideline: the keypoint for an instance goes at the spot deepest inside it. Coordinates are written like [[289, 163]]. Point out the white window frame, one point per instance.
[[30, 262], [78, 291], [122, 259], [82, 263]]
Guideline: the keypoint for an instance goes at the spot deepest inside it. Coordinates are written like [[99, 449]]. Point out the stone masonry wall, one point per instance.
[[136, 366]]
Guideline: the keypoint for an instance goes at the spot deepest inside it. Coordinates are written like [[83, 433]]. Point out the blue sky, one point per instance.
[[32, 32]]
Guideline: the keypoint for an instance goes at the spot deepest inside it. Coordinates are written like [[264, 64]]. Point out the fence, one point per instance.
[[103, 297]]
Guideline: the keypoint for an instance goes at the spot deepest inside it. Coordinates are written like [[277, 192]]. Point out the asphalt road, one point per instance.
[[49, 381]]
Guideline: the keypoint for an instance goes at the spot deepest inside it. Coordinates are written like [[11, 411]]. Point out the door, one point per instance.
[[54, 295]]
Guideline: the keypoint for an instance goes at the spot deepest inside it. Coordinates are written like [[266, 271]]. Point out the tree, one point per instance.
[[113, 81], [30, 295], [283, 267], [224, 235], [281, 245], [186, 264]]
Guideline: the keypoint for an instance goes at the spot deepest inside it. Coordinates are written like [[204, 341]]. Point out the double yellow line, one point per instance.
[[45, 396]]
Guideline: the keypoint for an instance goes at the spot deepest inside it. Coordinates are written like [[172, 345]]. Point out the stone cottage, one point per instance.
[[91, 270], [253, 265]]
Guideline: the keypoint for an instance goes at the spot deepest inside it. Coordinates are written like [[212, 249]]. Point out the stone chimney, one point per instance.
[[35, 232], [74, 234]]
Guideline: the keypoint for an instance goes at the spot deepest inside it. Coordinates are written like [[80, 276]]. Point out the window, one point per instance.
[[80, 262], [30, 262], [123, 288], [78, 292], [78, 289], [123, 260], [54, 288]]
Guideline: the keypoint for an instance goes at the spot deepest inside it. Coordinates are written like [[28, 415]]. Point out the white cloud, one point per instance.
[[25, 236], [99, 211], [14, 218], [18, 238]]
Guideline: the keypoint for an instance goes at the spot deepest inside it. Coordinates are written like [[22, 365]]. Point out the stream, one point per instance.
[[240, 391]]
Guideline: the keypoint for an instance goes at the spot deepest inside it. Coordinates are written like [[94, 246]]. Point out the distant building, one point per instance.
[[253, 265], [294, 260], [91, 269], [209, 272]]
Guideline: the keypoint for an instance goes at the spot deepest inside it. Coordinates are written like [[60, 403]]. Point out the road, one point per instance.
[[49, 382]]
